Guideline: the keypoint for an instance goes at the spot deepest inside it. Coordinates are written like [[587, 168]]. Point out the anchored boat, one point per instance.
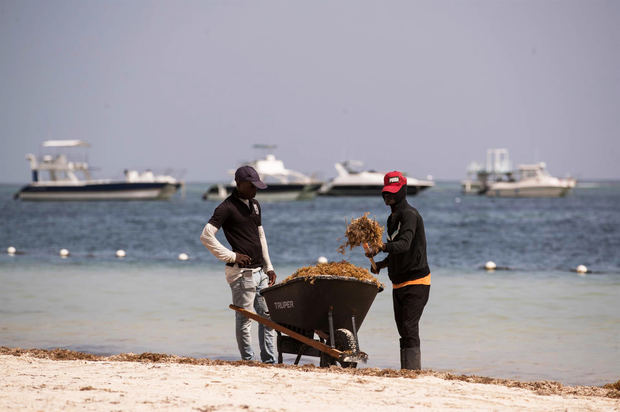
[[353, 182], [56, 177], [282, 184], [533, 181]]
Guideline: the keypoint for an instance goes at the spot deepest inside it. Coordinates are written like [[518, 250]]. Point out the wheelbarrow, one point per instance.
[[331, 307]]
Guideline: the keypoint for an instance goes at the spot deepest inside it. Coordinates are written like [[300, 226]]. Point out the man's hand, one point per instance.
[[272, 277], [372, 251], [242, 260], [376, 272]]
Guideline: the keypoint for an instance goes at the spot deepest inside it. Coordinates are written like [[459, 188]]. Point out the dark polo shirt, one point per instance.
[[240, 224]]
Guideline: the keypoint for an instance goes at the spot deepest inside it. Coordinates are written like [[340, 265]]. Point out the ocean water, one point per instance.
[[537, 319]]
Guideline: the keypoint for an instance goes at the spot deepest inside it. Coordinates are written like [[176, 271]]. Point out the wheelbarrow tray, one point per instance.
[[305, 302]]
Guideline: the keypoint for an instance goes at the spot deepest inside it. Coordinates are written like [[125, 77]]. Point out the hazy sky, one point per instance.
[[420, 86]]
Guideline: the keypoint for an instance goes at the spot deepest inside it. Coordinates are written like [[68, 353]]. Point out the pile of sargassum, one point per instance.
[[359, 231], [342, 269]]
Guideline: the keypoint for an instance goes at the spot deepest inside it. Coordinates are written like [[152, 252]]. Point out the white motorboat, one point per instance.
[[62, 181], [498, 166], [353, 182], [533, 181], [282, 184]]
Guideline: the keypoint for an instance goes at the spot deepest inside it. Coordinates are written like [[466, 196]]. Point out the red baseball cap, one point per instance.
[[393, 181]]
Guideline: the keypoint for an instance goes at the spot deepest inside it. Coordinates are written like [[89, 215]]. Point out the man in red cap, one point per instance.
[[248, 266], [407, 267]]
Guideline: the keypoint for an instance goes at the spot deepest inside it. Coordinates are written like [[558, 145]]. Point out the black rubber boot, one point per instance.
[[410, 358]]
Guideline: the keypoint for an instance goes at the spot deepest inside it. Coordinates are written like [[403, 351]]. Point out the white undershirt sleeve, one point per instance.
[[267, 266], [215, 247]]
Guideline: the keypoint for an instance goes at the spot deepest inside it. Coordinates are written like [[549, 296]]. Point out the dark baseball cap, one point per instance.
[[248, 174], [393, 181]]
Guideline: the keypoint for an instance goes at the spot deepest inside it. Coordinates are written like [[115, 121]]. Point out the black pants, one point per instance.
[[409, 303]]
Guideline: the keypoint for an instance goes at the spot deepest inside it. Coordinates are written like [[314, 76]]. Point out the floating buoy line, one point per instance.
[[489, 266], [65, 253]]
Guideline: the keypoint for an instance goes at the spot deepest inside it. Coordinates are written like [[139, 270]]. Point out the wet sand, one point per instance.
[[59, 379]]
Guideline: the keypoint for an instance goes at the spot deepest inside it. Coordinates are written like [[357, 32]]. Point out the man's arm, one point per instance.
[[215, 247], [408, 225], [401, 245], [267, 266]]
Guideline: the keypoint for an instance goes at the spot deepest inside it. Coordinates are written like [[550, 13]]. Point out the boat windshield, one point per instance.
[[532, 171]]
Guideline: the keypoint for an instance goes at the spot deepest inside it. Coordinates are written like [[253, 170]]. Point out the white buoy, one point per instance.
[[457, 200], [490, 265], [321, 259], [183, 256], [11, 250], [64, 253], [121, 253], [582, 269]]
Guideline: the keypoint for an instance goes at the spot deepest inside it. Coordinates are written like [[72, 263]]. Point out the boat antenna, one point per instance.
[[264, 146], [264, 149]]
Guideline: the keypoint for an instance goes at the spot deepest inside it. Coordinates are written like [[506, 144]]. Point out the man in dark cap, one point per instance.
[[248, 266], [407, 267]]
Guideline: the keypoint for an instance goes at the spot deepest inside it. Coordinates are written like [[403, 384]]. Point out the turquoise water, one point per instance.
[[538, 320]]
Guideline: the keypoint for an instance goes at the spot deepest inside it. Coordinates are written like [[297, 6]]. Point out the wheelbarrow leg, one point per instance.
[[357, 342], [279, 344], [302, 347], [330, 318]]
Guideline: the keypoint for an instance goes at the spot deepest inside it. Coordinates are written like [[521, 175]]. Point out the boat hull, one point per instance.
[[367, 190], [273, 192], [538, 191], [98, 191]]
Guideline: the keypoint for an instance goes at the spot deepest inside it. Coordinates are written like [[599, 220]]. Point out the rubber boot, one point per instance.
[[410, 358]]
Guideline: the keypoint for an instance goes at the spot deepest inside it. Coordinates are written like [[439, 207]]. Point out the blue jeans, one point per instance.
[[246, 294]]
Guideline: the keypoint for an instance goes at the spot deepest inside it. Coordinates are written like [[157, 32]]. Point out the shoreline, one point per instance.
[[51, 379]]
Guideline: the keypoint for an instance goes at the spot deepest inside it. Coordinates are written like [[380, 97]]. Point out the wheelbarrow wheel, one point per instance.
[[345, 341]]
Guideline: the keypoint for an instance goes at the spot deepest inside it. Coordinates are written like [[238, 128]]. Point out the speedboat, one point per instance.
[[282, 184], [71, 180], [353, 182], [533, 181]]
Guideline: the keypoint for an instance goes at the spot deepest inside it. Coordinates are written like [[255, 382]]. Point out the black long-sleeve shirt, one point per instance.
[[406, 246]]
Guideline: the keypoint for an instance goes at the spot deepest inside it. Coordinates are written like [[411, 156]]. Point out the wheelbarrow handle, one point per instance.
[[334, 353], [372, 260]]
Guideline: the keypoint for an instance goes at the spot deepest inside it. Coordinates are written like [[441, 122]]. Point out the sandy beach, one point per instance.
[[53, 380]]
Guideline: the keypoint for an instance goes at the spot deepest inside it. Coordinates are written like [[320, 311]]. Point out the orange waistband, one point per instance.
[[426, 280]]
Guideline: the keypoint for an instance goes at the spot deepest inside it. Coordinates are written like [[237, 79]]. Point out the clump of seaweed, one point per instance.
[[362, 230], [614, 386], [342, 269]]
